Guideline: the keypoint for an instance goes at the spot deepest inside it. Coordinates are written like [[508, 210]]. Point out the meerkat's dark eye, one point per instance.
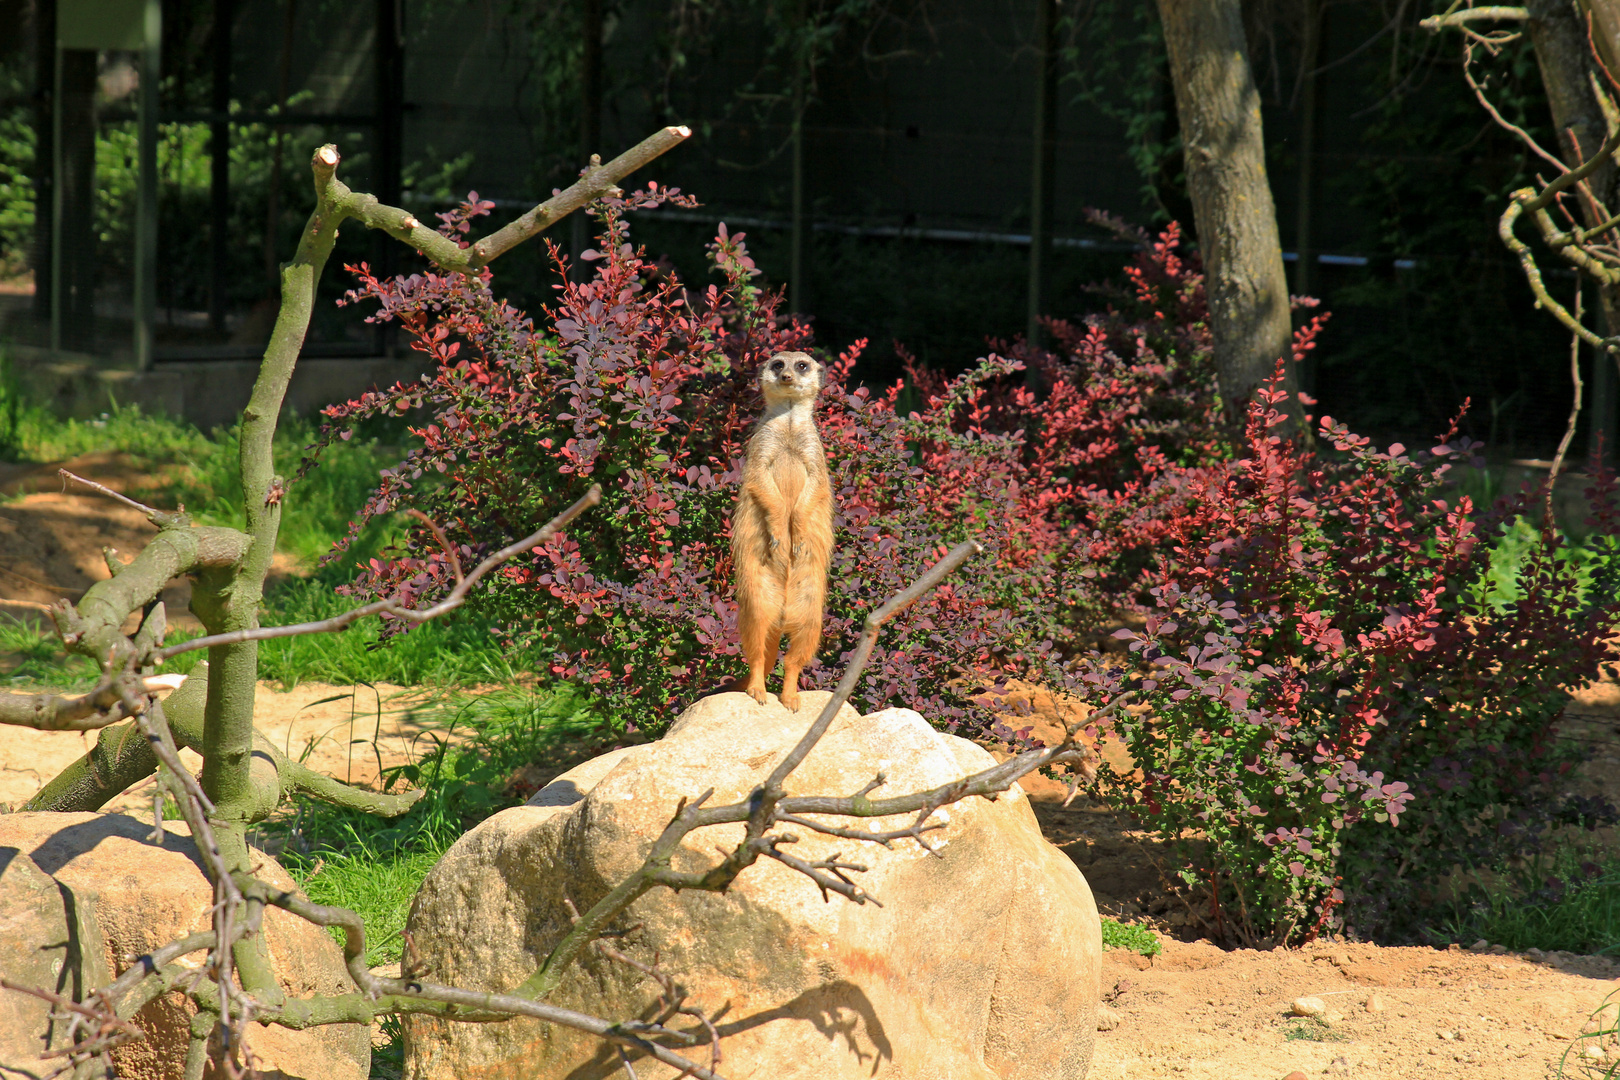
[[777, 365], [802, 366]]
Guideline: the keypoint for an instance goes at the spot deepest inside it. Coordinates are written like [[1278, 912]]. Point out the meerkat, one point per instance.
[[781, 530]]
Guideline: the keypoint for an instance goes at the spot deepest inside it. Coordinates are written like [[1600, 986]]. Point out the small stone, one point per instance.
[[1375, 1004], [1499, 950], [1296, 1075], [1308, 1006], [1448, 1036], [1454, 947], [1107, 1019], [1534, 954], [1592, 1052], [1340, 960], [1480, 946], [1333, 1017]]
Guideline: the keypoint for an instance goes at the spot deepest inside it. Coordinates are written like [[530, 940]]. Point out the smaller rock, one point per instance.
[[1333, 1017], [1480, 946], [1499, 950], [1534, 954], [1296, 1075], [1592, 1052], [1448, 1036], [1340, 960], [1107, 1019], [1308, 1006], [1375, 1004], [1454, 947]]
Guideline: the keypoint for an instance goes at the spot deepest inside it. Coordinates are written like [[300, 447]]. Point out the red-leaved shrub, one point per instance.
[[647, 387], [1348, 692], [1331, 656]]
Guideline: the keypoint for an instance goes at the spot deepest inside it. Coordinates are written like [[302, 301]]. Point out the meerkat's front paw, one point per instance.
[[789, 699], [755, 692]]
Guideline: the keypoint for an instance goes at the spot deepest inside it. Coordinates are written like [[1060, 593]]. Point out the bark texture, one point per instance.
[[1558, 30], [1219, 110]]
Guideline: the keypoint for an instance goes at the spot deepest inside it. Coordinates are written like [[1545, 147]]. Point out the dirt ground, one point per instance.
[[1194, 1011], [52, 533]]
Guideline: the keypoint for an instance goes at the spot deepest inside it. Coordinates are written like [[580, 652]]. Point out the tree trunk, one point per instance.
[[1219, 112], [1564, 56]]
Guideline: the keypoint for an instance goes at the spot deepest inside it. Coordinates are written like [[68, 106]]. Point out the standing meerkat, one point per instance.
[[781, 530]]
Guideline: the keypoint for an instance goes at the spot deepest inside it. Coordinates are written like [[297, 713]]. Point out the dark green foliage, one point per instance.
[[1567, 898]]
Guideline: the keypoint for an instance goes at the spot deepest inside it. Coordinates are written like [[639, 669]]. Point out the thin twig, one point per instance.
[[392, 605], [151, 512], [444, 541], [863, 651], [1462, 18], [1574, 408], [1524, 136]]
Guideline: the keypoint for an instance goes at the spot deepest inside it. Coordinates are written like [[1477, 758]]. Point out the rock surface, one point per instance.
[[83, 895], [981, 965]]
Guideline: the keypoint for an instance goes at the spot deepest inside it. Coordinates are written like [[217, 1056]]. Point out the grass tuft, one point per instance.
[[1565, 901], [374, 865], [1310, 1029], [1130, 936]]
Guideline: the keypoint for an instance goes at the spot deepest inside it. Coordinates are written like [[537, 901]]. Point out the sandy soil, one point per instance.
[[51, 539], [1195, 1010], [1199, 1012]]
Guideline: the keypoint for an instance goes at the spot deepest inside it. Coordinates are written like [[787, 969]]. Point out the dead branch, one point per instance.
[[1574, 407], [1467, 16], [96, 708], [596, 181], [392, 606], [157, 517], [111, 1031]]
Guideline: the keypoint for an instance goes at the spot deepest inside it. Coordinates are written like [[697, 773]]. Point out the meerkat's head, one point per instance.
[[789, 378]]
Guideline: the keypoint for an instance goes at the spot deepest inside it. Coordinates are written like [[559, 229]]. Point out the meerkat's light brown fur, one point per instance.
[[781, 530]]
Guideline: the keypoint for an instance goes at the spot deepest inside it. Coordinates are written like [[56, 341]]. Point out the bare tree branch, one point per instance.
[[90, 711], [1467, 16], [1575, 404], [392, 606], [597, 181], [111, 1031], [157, 517]]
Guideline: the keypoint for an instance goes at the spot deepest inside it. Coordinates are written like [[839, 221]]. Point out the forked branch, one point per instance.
[[391, 606]]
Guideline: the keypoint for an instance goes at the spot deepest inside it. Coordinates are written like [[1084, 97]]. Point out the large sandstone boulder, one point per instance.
[[83, 895], [981, 964]]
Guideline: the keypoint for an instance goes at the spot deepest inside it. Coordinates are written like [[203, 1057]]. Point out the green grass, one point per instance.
[[378, 887], [456, 651], [374, 865], [32, 659], [187, 467], [1519, 909], [1601, 1030], [1310, 1029], [1135, 938]]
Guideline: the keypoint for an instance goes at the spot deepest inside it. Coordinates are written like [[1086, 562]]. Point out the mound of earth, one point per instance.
[[1206, 1014]]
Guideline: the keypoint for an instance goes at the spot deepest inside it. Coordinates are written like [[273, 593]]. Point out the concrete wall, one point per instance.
[[209, 394]]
